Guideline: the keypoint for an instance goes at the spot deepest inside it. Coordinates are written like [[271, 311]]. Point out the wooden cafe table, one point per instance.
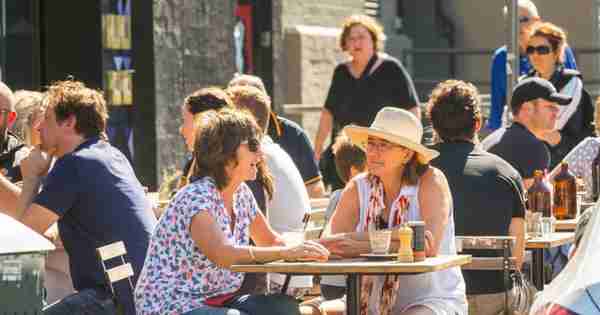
[[571, 224], [354, 268], [565, 225], [537, 246]]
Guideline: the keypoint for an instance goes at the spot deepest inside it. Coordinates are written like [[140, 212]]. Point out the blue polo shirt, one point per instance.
[[294, 141], [99, 200]]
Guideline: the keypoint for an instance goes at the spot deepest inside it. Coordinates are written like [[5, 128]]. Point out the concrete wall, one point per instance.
[[305, 52], [193, 48], [479, 24], [323, 14]]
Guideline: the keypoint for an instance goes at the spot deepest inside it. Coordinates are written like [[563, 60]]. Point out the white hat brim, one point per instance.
[[358, 135]]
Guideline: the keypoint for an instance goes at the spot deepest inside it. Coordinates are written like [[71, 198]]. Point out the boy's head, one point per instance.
[[350, 159]]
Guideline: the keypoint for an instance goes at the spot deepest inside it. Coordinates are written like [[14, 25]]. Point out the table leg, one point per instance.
[[538, 269], [353, 294]]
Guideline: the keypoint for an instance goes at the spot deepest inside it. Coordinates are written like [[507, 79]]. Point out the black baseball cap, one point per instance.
[[533, 88]]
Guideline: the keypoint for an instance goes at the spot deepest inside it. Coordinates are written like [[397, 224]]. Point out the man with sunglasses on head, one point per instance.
[[10, 144], [528, 16]]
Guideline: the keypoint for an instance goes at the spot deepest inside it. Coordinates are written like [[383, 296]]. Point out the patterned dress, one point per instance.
[[177, 277], [580, 161]]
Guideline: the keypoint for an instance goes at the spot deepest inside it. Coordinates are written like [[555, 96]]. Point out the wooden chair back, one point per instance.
[[124, 270], [505, 261], [314, 223]]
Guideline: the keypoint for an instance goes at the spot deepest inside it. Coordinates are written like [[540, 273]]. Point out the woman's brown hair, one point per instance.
[[555, 35], [218, 136], [413, 170]]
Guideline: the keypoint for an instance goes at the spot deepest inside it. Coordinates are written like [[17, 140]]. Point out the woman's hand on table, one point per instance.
[[345, 246], [306, 251]]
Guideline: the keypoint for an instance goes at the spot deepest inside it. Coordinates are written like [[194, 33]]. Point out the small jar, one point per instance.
[[405, 252], [418, 239]]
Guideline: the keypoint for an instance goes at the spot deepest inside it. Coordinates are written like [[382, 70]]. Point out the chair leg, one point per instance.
[[506, 267], [286, 284]]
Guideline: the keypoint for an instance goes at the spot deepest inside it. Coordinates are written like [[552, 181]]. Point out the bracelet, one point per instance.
[[251, 254]]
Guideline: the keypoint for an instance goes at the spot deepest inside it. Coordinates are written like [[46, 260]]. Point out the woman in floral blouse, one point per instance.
[[207, 228]]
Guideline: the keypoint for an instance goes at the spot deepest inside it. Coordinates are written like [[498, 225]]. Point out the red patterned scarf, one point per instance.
[[373, 217]]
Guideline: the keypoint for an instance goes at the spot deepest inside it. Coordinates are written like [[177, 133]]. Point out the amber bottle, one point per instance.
[[538, 196], [565, 194]]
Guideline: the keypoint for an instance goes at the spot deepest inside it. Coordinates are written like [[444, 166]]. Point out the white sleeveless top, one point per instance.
[[445, 285]]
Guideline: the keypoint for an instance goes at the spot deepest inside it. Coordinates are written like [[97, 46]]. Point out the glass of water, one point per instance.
[[380, 241], [547, 226]]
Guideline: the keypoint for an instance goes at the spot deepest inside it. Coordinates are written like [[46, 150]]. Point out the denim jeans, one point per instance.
[[273, 304], [209, 310], [87, 301]]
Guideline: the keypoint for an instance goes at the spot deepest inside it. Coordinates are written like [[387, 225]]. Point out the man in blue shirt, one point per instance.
[[91, 191], [528, 15]]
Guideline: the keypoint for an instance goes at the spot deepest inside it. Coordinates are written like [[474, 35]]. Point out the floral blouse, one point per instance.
[[177, 277], [580, 161]]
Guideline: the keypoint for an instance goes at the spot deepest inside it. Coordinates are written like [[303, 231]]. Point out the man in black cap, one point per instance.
[[534, 108]]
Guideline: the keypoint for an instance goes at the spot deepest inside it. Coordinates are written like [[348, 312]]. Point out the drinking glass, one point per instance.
[[380, 241]]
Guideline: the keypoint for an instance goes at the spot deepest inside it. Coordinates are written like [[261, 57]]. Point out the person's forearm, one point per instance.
[[234, 255], [517, 230], [31, 187], [9, 196], [325, 125], [316, 189]]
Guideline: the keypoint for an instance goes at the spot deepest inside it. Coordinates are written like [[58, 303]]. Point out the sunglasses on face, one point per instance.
[[540, 50], [253, 144]]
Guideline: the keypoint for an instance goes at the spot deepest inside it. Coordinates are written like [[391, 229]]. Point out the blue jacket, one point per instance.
[[498, 88]]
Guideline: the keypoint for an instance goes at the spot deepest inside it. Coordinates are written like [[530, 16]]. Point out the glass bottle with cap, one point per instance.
[[565, 194], [539, 203]]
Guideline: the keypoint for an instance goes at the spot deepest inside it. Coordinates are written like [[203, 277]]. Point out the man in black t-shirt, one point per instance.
[[487, 192], [534, 107]]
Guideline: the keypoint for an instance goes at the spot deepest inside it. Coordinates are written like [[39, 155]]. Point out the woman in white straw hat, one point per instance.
[[398, 166]]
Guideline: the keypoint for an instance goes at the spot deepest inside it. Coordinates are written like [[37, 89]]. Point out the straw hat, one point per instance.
[[397, 126]]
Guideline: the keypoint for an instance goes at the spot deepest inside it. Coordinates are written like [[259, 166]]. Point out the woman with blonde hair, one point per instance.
[[30, 112], [360, 87], [29, 106]]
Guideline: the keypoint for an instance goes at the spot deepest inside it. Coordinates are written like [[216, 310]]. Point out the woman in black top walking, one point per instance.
[[360, 87]]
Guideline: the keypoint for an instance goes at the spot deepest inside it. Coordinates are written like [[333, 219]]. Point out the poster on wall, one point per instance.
[[243, 39]]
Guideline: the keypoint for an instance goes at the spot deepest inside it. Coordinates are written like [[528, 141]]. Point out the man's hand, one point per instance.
[[36, 164]]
